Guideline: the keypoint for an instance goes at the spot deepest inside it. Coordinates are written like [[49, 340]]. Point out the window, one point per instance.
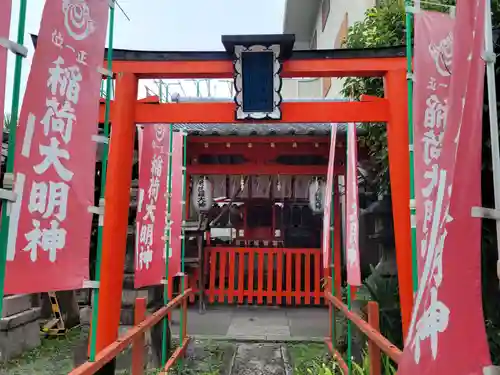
[[325, 11]]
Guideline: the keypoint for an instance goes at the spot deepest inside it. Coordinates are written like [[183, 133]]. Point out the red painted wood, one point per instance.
[[279, 278], [251, 273], [260, 278], [222, 274], [231, 286], [241, 275], [270, 289], [317, 278], [213, 273], [138, 344], [270, 272], [288, 277], [307, 278], [298, 278]]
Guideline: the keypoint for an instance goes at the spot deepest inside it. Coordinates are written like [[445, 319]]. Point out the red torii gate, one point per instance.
[[126, 111]]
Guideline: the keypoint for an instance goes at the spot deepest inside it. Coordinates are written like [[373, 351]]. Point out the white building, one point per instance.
[[320, 24]]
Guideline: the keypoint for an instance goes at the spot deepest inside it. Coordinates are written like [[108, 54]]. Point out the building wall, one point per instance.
[[331, 29]]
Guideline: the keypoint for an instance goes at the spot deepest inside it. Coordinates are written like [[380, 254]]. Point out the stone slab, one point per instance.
[[16, 304], [18, 340], [258, 359], [20, 319]]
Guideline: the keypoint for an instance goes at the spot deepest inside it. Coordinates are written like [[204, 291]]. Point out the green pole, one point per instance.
[[16, 93], [109, 82], [164, 346], [409, 79], [183, 230], [349, 331]]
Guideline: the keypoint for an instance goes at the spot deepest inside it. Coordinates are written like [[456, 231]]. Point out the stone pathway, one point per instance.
[[256, 323], [260, 359]]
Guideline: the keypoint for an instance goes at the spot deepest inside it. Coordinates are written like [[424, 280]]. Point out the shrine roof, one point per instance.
[[263, 129], [343, 53]]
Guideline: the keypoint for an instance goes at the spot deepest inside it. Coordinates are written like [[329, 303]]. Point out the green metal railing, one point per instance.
[[409, 79], [164, 349], [16, 96], [109, 82]]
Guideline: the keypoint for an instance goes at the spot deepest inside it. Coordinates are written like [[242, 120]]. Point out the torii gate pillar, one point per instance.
[[399, 168], [117, 201]]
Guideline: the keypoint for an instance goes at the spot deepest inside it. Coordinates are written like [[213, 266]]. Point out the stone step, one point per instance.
[[19, 333], [15, 304], [259, 359]]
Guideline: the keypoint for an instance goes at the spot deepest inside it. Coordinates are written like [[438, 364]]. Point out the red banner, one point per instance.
[[327, 253], [448, 304], [433, 63], [5, 12], [352, 210], [174, 263], [49, 234], [151, 205]]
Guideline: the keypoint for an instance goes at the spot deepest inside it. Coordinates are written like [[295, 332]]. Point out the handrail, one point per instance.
[[133, 334], [385, 345]]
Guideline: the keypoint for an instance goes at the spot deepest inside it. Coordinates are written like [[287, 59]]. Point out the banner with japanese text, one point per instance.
[[151, 205], [448, 303], [176, 205], [433, 63], [5, 13], [330, 178], [49, 233], [352, 210]]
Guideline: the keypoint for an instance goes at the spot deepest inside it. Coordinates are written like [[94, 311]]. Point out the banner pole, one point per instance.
[[183, 231], [11, 147], [409, 80], [104, 163], [164, 346], [349, 291], [332, 250], [490, 58]]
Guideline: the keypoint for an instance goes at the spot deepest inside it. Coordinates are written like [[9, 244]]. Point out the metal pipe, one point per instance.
[[490, 58]]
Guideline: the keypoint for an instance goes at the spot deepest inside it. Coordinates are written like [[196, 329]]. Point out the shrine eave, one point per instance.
[[138, 55], [264, 129]]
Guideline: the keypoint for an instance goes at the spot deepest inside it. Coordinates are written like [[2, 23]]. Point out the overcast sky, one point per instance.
[[189, 25]]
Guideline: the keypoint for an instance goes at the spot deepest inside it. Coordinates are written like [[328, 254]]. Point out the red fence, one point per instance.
[[272, 276]]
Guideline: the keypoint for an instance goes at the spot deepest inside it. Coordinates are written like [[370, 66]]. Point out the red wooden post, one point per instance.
[[373, 349], [117, 197], [184, 319], [138, 345], [399, 169]]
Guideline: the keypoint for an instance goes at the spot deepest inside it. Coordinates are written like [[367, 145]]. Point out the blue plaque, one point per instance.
[[258, 81]]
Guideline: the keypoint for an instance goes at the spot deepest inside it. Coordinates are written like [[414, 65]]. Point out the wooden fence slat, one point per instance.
[[317, 278], [373, 349], [213, 272], [307, 276], [139, 343], [298, 278], [231, 285], [251, 273], [260, 278], [289, 277], [222, 275], [279, 278], [270, 273], [241, 275]]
